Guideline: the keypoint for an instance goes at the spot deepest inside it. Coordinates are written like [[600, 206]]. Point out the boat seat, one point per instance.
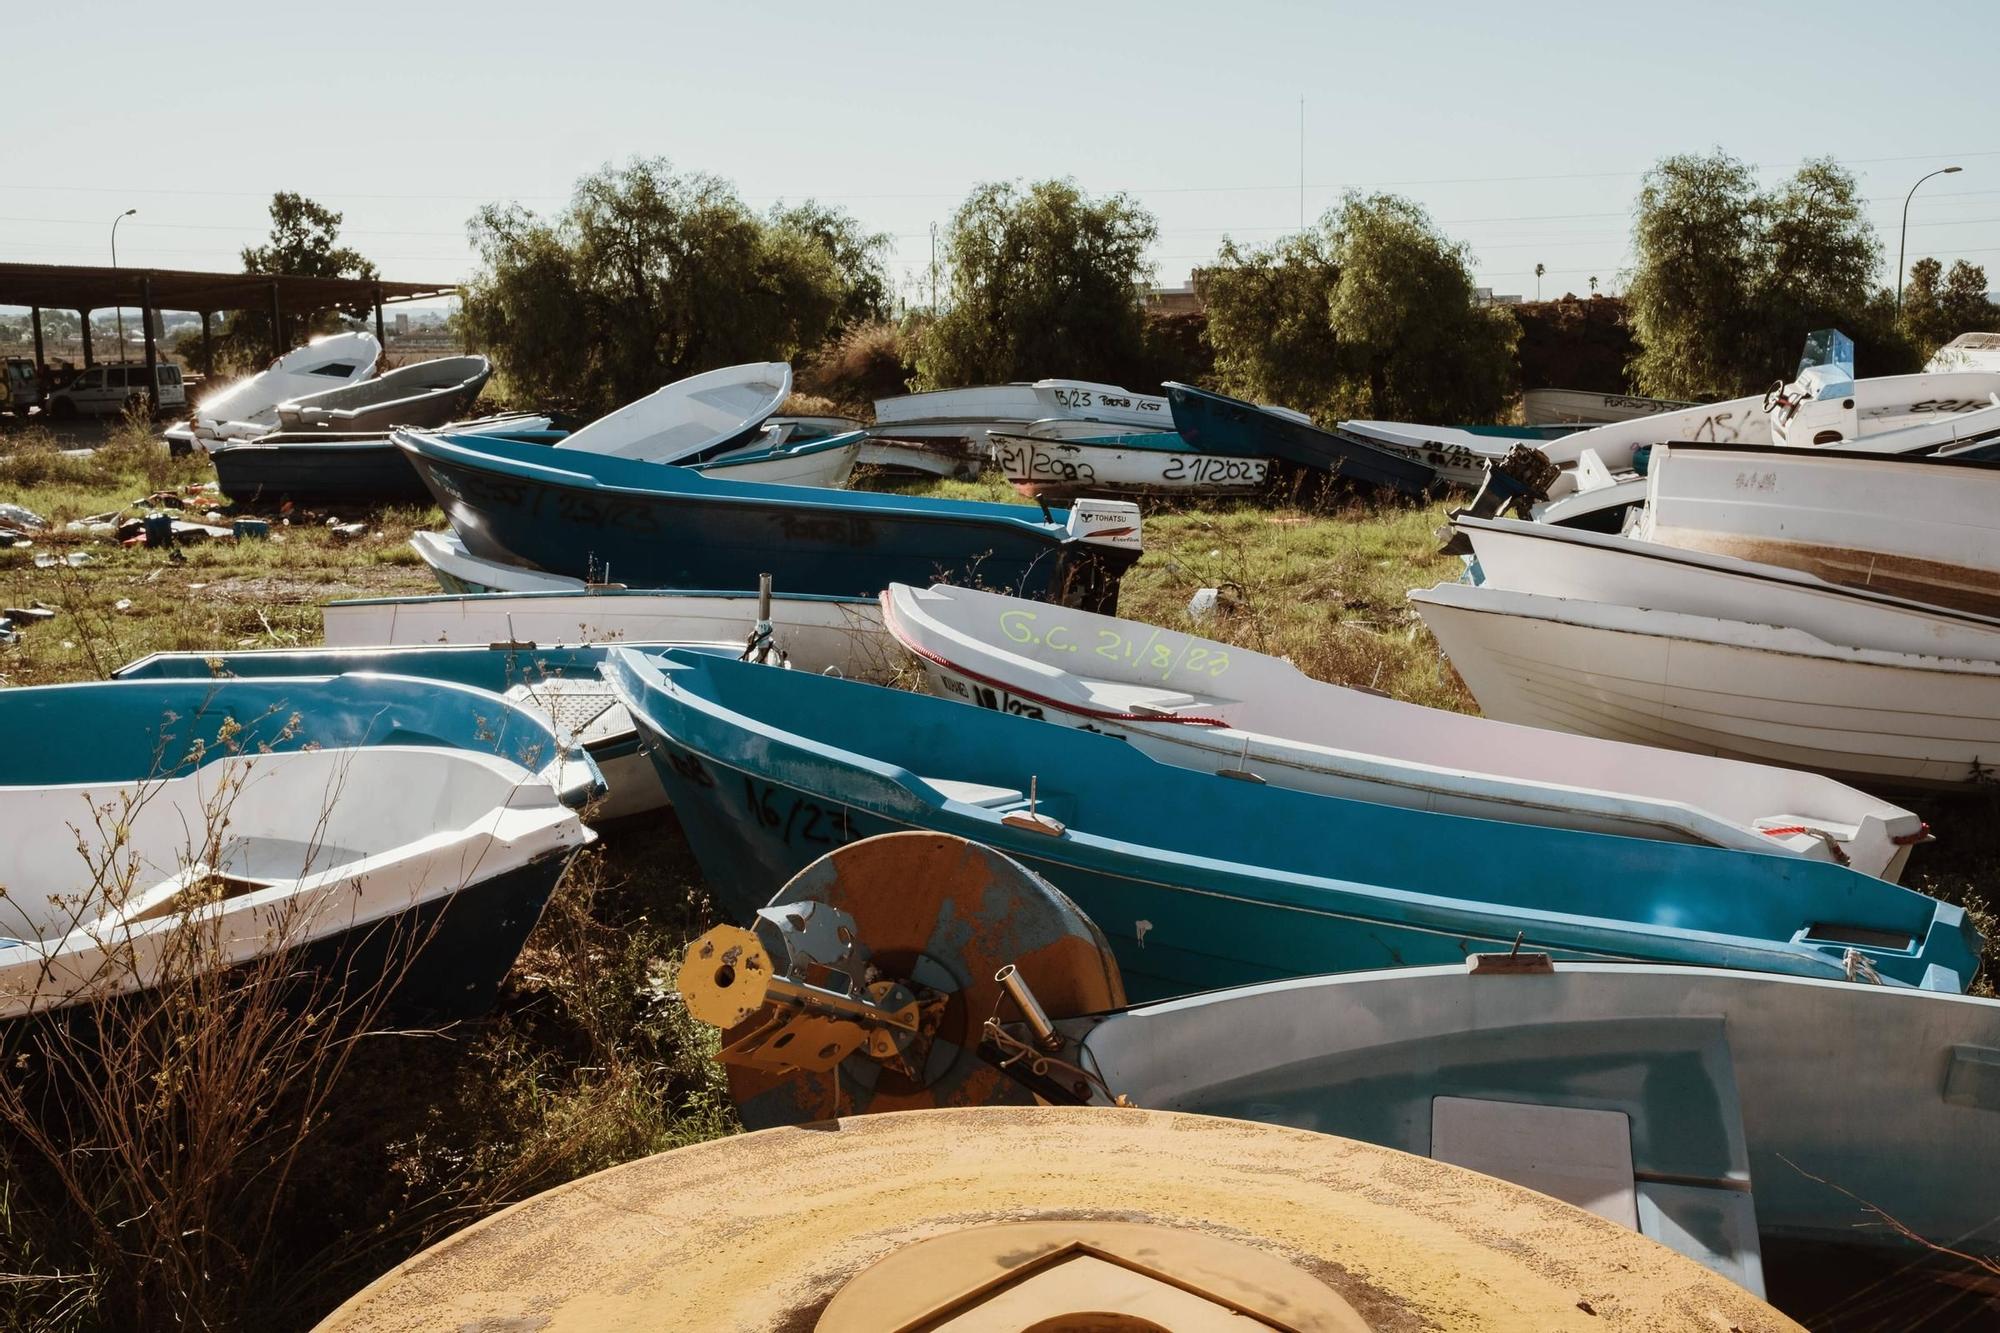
[[980, 794], [248, 864], [583, 710]]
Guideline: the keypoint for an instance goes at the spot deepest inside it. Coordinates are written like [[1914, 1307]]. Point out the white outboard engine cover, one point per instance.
[[1106, 523], [1816, 409]]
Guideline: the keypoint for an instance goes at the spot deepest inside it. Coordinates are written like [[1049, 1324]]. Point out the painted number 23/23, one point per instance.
[[1150, 654]]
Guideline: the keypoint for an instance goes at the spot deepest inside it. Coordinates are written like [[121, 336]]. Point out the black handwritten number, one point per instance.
[[760, 804], [799, 820], [690, 768]]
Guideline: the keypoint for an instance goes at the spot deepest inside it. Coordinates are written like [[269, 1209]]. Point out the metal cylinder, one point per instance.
[[1016, 986]]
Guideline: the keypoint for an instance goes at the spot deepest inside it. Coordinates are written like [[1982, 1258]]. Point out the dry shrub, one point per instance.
[[153, 1133], [864, 363]]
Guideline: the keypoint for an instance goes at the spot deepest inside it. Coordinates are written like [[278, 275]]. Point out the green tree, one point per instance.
[[304, 241], [1940, 304], [1370, 313], [1698, 233], [1407, 315], [1731, 277], [1268, 319], [860, 258], [1044, 281], [649, 276]]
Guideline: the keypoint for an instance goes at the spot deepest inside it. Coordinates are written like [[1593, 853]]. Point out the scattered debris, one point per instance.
[[15, 518], [122, 604], [23, 615], [347, 532], [75, 560]]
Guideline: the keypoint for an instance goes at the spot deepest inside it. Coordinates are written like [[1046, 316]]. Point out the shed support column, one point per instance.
[[207, 348], [41, 367], [277, 325], [88, 359], [152, 346], [379, 336]]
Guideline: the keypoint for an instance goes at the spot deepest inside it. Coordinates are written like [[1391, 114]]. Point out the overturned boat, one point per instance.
[[1218, 708]]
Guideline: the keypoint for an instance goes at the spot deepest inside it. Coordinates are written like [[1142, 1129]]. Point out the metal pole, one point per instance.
[[114, 271], [1302, 162], [41, 370], [152, 348], [207, 349], [277, 325], [88, 359], [379, 337], [1903, 244]]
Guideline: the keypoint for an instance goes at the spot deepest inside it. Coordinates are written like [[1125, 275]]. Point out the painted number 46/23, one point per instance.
[[794, 818]]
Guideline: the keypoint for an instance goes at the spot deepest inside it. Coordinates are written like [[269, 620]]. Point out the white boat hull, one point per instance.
[[1720, 687], [687, 419], [459, 571], [249, 407], [1063, 468], [1620, 571], [1817, 1101], [1929, 531], [803, 465], [410, 825], [1213, 707]]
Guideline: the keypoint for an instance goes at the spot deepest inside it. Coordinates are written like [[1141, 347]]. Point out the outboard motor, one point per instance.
[[1817, 409]]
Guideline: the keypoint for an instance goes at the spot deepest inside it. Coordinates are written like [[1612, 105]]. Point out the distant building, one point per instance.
[[1181, 300], [1485, 296], [402, 322]]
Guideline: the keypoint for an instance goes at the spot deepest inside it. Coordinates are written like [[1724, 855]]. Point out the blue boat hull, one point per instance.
[[1315, 885], [649, 525], [356, 471], [1215, 424]]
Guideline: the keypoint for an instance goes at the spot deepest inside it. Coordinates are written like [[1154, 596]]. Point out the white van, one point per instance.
[[105, 391]]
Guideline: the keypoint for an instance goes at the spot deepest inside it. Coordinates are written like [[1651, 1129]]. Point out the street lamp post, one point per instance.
[[114, 268], [1903, 244]]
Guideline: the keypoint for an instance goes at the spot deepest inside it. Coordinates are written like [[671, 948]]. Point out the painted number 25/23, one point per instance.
[[1165, 656]]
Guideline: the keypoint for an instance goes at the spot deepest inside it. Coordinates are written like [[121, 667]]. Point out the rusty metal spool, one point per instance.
[[946, 914], [1048, 1219]]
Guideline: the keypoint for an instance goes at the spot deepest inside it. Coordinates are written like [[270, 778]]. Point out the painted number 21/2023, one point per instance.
[[1151, 654]]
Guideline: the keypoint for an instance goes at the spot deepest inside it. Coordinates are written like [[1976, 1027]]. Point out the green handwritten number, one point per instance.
[[1107, 644], [1221, 665]]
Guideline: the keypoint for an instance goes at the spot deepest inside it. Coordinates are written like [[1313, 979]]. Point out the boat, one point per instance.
[[558, 683], [1218, 708], [793, 429], [1071, 1218], [691, 420], [1922, 529], [1762, 1125], [1201, 881], [1968, 351], [1733, 688], [777, 461], [1621, 571], [458, 571], [968, 414], [338, 466], [818, 633], [1216, 424], [1563, 407], [1459, 454], [584, 515], [954, 459], [249, 407], [423, 394], [375, 827], [1137, 465]]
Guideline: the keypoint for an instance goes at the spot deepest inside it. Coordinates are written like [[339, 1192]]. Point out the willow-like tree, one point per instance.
[[1731, 277], [1372, 312], [1043, 281], [649, 276], [1940, 303]]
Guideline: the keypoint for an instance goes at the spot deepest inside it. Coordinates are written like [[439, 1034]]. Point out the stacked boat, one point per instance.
[[1821, 609]]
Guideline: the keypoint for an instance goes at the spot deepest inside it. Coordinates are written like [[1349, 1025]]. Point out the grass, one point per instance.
[[589, 1060]]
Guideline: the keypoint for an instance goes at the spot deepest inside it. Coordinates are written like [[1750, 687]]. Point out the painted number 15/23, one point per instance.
[[1151, 654]]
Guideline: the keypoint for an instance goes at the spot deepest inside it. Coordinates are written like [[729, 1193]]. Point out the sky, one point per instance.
[[1523, 128]]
